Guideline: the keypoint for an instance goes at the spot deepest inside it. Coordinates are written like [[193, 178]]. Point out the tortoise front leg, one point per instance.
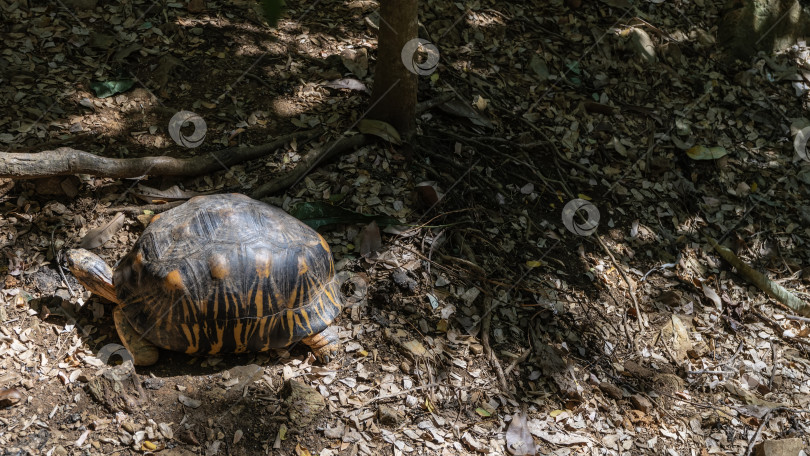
[[325, 345], [143, 352]]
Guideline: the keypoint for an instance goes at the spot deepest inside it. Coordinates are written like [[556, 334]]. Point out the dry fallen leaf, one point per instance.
[[427, 195], [356, 60], [189, 402], [9, 397], [99, 236], [712, 295], [459, 108], [642, 44], [368, 240], [153, 195], [196, 6], [381, 129], [348, 84], [519, 440], [706, 153]]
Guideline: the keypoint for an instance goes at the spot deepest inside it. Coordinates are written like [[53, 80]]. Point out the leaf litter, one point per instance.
[[556, 104]]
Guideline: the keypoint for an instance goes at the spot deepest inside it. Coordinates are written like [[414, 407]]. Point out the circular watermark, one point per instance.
[[412, 63], [182, 118], [585, 228], [800, 143], [354, 288], [110, 350]]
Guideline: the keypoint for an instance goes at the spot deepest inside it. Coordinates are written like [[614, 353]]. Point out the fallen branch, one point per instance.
[[432, 103], [65, 160], [770, 288]]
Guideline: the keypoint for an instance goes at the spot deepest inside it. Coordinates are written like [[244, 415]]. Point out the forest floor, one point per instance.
[[490, 320]]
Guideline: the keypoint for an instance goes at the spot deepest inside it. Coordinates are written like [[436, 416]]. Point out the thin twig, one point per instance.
[[756, 434], [155, 208], [259, 80], [58, 256], [485, 324], [630, 287], [517, 361], [432, 103], [709, 372], [797, 318], [407, 391], [773, 366], [777, 328], [433, 246]]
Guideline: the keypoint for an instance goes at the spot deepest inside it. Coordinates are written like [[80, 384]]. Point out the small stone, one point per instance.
[[188, 437], [166, 431], [246, 374], [611, 390], [153, 383], [783, 447], [189, 402], [415, 348], [405, 282], [641, 403]]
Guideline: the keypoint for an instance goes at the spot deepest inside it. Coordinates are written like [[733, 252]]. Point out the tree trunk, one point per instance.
[[393, 99], [763, 25]]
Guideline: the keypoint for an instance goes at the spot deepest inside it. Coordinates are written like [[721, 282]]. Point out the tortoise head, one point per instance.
[[92, 272]]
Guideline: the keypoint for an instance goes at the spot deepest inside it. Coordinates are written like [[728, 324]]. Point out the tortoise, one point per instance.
[[219, 274]]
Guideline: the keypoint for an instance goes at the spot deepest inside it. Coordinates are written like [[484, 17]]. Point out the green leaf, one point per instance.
[[381, 129], [706, 153], [318, 214], [109, 88], [272, 10], [538, 64], [483, 412]]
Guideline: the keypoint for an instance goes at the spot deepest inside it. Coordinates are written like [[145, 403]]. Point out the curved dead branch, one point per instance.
[[66, 160]]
